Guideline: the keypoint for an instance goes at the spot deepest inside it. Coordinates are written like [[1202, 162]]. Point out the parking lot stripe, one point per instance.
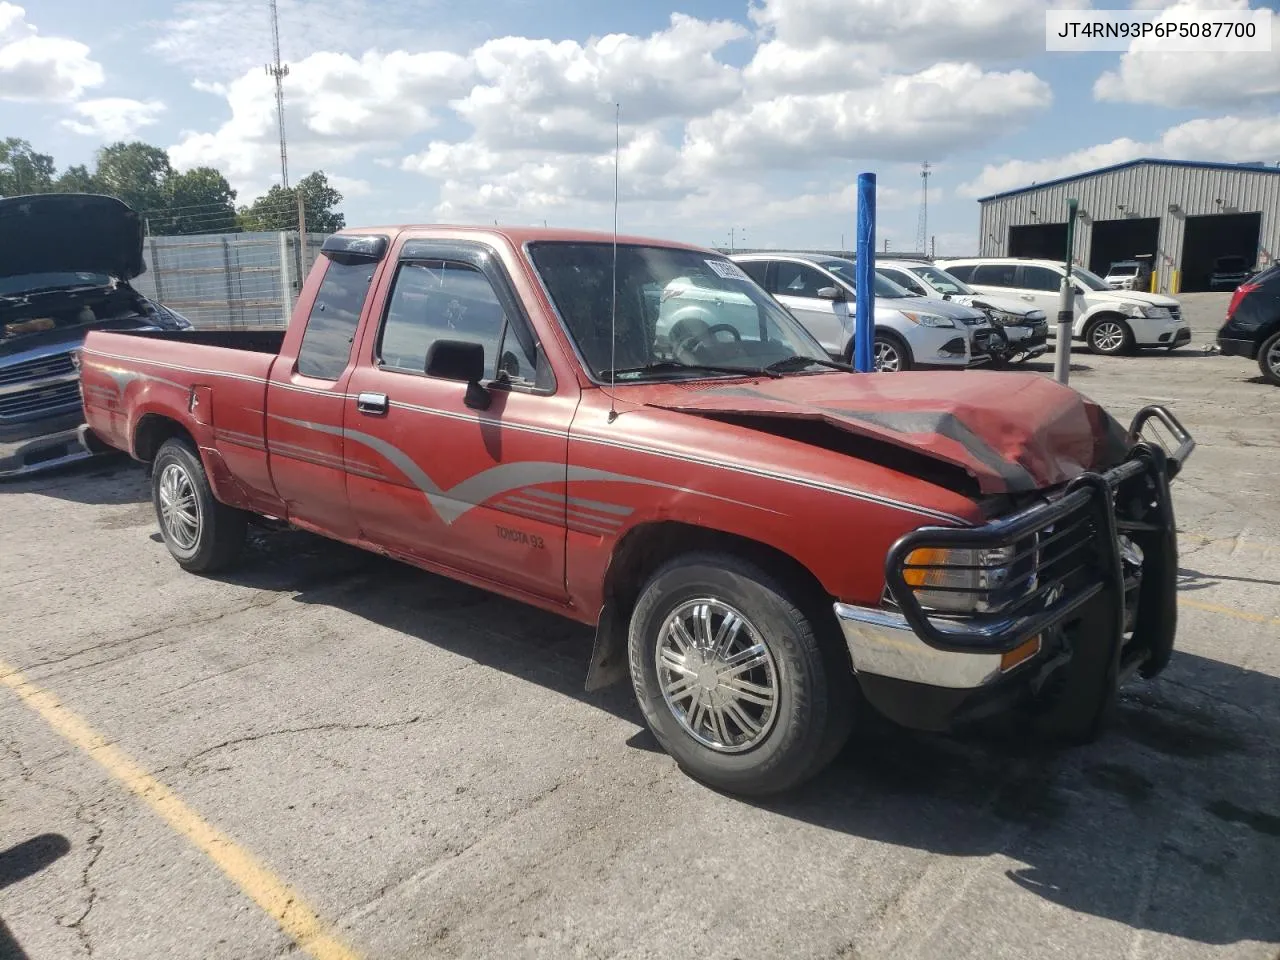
[[268, 891], [1229, 612]]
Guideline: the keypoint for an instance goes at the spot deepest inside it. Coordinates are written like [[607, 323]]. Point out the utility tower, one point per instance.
[[279, 71], [922, 225]]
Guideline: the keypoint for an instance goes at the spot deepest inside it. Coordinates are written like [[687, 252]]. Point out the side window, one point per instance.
[[799, 280], [756, 270], [1040, 278], [442, 300], [904, 279], [962, 272], [995, 274], [331, 327]]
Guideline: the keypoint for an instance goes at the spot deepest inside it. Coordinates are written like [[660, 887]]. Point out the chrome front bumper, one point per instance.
[[882, 643], [33, 454]]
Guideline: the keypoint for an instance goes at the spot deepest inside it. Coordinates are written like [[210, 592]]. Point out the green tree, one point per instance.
[[22, 170], [136, 173], [76, 179], [277, 209], [199, 201]]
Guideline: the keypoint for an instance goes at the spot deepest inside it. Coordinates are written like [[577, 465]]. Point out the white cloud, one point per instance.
[[37, 68], [924, 114], [114, 118], [349, 186], [1178, 79], [336, 107], [1225, 139]]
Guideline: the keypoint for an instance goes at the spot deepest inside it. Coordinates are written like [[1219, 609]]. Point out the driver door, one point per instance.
[[795, 285]]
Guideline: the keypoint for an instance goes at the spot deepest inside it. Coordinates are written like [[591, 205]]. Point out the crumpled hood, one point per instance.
[[1012, 432], [1134, 296], [69, 232]]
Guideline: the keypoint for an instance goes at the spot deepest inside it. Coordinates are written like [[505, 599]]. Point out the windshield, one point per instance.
[[847, 270], [11, 286], [1231, 263], [1090, 280], [944, 282], [1123, 270], [675, 308]]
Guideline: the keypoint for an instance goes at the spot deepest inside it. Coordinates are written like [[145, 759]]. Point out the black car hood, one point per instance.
[[69, 232]]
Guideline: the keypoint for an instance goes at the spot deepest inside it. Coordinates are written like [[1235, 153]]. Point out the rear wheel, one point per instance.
[[1269, 359], [202, 534], [1109, 336], [735, 677]]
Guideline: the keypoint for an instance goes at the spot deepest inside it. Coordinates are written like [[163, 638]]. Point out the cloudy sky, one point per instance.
[[755, 115]]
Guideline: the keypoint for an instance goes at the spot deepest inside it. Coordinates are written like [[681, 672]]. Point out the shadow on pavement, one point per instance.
[[22, 861], [107, 480], [1171, 823]]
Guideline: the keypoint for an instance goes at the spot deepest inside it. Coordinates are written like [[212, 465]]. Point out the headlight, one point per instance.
[[1003, 319], [929, 320], [1140, 310], [961, 580]]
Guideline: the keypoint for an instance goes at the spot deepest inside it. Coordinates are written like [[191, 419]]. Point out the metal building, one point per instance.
[[1184, 219]]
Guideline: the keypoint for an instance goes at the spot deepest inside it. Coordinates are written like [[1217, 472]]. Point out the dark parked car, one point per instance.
[[1228, 273], [65, 265], [1253, 323]]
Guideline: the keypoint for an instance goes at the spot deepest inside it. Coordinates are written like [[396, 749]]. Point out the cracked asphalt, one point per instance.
[[419, 761]]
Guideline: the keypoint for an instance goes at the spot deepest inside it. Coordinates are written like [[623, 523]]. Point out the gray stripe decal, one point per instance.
[[505, 477], [602, 507], [570, 513], [636, 448], [559, 498]]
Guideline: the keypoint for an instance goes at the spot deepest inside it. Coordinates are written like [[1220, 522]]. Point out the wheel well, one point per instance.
[[1105, 315], [647, 547], [152, 431]]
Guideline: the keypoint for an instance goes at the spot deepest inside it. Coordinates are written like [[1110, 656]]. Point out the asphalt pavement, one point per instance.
[[329, 753]]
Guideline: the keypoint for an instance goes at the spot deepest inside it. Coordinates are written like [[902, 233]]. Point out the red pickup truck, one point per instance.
[[633, 434]]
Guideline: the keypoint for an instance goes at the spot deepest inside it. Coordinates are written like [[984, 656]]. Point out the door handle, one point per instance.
[[372, 403], [1025, 296]]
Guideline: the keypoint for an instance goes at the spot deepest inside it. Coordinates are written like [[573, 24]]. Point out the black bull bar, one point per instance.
[[1071, 554]]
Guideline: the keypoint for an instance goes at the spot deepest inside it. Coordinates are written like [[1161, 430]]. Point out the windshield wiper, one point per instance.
[[670, 366], [798, 362], [22, 296]]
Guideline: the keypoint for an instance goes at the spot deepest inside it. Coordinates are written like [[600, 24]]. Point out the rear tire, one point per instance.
[[202, 534], [699, 621], [1269, 359]]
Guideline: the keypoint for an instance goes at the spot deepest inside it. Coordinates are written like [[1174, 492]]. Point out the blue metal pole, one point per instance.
[[864, 307]]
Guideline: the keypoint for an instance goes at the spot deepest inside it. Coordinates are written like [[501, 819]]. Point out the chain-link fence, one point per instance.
[[229, 280]]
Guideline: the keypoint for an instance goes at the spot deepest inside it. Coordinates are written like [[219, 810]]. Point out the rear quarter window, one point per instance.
[[331, 326]]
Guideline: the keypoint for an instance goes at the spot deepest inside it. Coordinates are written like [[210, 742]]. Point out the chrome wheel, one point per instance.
[[179, 507], [1108, 336], [717, 675], [886, 357]]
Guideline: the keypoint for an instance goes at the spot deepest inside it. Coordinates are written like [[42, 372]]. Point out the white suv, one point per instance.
[[1109, 321], [910, 331]]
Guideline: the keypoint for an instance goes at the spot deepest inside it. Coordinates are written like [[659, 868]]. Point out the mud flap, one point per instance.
[[609, 653]]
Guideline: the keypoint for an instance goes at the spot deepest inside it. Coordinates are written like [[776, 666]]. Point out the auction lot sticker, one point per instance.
[[1159, 31]]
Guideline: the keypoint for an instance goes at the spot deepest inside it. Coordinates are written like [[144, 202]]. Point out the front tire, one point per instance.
[[1109, 336], [889, 354], [202, 534], [735, 679], [1269, 359]]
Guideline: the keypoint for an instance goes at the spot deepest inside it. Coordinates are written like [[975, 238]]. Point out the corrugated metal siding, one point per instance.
[[1146, 191]]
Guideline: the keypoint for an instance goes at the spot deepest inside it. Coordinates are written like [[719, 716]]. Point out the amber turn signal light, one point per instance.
[[1020, 654]]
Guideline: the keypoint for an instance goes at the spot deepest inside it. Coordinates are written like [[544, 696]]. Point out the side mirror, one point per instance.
[[463, 361], [834, 294], [946, 296]]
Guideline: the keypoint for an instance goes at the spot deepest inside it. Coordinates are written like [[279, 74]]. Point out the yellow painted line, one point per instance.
[[268, 891], [1228, 611]]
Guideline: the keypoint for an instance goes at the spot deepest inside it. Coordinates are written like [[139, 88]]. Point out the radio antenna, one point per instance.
[[613, 304]]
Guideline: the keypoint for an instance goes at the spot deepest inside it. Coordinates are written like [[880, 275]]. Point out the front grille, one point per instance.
[[38, 401], [41, 369]]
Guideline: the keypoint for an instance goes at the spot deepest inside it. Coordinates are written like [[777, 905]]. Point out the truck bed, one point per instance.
[[255, 341]]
